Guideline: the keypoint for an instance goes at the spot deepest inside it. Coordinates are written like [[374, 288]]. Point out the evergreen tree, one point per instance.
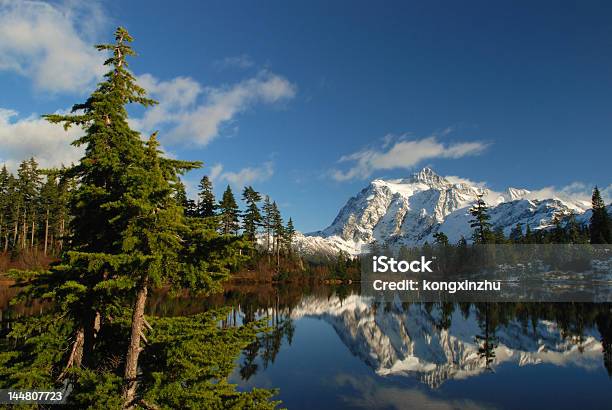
[[440, 238], [28, 186], [289, 232], [557, 235], [180, 196], [529, 235], [206, 199], [600, 225], [268, 214], [5, 204], [278, 231], [480, 221], [251, 218], [516, 235], [228, 210], [573, 230], [128, 235]]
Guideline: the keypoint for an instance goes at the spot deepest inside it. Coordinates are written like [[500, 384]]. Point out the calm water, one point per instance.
[[332, 348]]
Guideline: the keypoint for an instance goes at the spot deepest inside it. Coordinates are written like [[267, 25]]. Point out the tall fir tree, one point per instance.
[[228, 211], [268, 214], [289, 235], [251, 218], [128, 236], [206, 199], [5, 204], [440, 238], [516, 234], [600, 225], [480, 221], [278, 230]]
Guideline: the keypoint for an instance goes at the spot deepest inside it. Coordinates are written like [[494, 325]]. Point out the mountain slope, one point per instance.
[[410, 211]]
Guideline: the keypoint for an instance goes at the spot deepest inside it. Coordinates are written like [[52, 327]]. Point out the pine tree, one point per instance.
[[480, 221], [28, 186], [277, 231], [268, 213], [180, 195], [228, 210], [557, 235], [289, 232], [440, 238], [127, 224], [206, 199], [516, 234], [251, 218], [529, 238], [600, 225], [49, 201], [128, 235], [5, 204], [573, 231]]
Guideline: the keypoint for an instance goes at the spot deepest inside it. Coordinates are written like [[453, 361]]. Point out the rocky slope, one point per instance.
[[410, 211]]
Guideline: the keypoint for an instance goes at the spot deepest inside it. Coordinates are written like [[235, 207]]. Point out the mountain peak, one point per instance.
[[428, 176]]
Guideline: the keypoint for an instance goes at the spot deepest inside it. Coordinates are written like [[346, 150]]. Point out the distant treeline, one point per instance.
[[33, 209]]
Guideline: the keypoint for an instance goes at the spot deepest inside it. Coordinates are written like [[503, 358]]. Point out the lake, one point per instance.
[[330, 347]]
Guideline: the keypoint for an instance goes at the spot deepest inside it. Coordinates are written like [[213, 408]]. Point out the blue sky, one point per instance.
[[308, 101]]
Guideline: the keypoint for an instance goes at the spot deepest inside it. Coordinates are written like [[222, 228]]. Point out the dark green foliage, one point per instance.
[[600, 227], [128, 235], [189, 206], [480, 221], [268, 215], [189, 360], [206, 199], [516, 235], [440, 238], [289, 233], [251, 219], [228, 211]]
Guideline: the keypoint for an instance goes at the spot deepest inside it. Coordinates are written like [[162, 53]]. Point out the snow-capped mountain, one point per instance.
[[410, 211], [406, 340]]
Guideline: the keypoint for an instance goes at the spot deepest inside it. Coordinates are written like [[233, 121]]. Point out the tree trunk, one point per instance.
[[15, 234], [24, 231], [131, 360], [46, 230], [91, 329], [61, 232], [33, 228], [76, 354]]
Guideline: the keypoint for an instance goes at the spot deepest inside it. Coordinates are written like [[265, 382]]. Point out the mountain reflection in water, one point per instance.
[[333, 348]]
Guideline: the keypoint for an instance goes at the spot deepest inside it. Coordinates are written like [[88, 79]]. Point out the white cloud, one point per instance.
[[459, 180], [242, 61], [201, 123], [245, 176], [46, 43], [576, 191], [403, 154], [215, 172], [34, 136], [175, 97], [606, 194]]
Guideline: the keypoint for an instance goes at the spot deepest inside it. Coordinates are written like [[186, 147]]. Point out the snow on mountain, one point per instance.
[[410, 211], [406, 340]]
